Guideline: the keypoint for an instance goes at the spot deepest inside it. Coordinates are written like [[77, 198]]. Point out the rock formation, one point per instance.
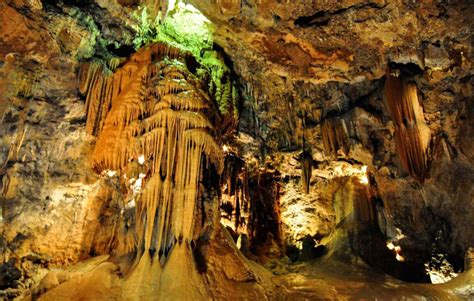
[[196, 150]]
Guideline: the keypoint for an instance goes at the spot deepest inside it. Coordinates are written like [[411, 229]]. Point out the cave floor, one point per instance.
[[334, 280], [320, 279]]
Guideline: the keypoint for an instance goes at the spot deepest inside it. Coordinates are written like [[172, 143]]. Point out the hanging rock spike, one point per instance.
[[412, 135]]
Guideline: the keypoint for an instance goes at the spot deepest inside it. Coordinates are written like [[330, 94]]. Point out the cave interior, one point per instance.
[[236, 150]]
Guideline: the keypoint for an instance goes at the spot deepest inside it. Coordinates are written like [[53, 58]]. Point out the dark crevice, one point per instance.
[[191, 63], [227, 60], [122, 50], [51, 6], [276, 19], [361, 102], [351, 161], [322, 18], [199, 256], [408, 69], [55, 5], [318, 19], [78, 3]]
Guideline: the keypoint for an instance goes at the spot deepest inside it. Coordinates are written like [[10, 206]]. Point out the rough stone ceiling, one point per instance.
[[287, 52]]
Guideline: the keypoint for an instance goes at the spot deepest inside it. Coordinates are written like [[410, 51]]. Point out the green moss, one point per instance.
[[95, 45], [184, 27], [235, 101], [145, 28], [187, 29], [220, 84]]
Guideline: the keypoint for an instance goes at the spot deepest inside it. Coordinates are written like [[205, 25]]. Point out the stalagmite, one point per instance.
[[412, 135]]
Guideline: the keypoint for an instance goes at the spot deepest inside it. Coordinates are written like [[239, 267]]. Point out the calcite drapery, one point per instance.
[[153, 108], [335, 135], [412, 135]]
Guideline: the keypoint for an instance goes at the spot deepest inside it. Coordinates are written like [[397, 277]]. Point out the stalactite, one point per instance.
[[185, 101], [250, 202], [335, 136], [412, 135], [164, 120], [93, 82], [264, 218], [363, 206], [235, 202], [12, 155], [306, 157], [306, 170], [102, 88], [113, 63]]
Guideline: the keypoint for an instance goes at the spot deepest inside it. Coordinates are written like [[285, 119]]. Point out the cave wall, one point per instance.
[[50, 199]]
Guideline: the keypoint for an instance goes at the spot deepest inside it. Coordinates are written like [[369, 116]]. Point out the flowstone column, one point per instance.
[[153, 124]]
